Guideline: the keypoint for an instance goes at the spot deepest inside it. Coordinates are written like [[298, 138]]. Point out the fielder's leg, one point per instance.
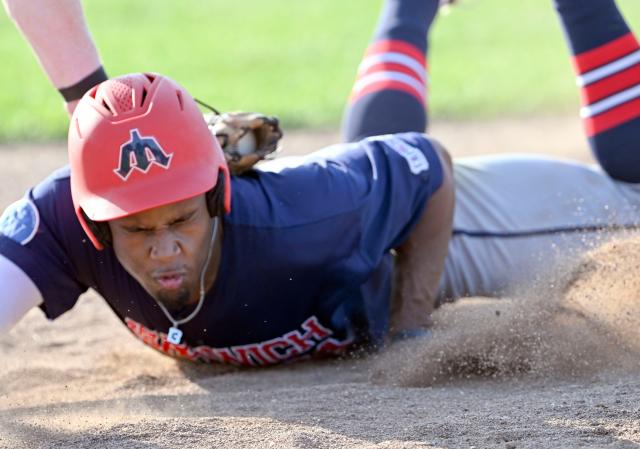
[[606, 58], [389, 95]]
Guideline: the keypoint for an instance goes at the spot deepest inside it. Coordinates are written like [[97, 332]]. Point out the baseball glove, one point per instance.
[[245, 137]]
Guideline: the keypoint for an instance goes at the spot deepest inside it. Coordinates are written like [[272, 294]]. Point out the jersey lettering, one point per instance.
[[315, 340], [415, 158]]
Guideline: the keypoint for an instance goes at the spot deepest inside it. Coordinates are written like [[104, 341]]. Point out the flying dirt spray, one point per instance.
[[582, 320]]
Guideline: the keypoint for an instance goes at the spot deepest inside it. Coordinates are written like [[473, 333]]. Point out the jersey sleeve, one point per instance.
[[405, 171], [34, 235], [375, 189]]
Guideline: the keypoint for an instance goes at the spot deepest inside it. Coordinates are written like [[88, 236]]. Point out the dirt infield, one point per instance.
[[564, 376]]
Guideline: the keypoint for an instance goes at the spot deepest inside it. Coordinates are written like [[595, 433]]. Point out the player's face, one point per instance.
[[165, 249]]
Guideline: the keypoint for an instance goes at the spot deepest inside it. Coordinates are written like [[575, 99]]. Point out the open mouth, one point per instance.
[[170, 281]]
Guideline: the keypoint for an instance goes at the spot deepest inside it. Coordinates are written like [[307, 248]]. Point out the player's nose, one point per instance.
[[163, 246]]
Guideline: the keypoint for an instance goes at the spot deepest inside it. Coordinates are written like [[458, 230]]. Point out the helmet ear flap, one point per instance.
[[215, 197], [99, 229]]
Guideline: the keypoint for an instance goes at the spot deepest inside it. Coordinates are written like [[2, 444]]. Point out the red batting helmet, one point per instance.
[[136, 142]]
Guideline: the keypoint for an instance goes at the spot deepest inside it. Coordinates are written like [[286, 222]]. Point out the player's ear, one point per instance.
[[215, 197]]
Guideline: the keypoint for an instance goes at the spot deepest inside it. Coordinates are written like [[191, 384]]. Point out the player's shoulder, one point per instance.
[[299, 190], [51, 192], [56, 184], [334, 181], [46, 205]]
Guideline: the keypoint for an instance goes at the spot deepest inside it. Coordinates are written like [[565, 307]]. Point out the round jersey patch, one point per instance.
[[20, 221]]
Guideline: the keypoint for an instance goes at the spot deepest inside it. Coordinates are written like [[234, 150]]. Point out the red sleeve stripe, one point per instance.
[[387, 84], [604, 54], [395, 46], [370, 63], [609, 86], [612, 118], [610, 102], [610, 69]]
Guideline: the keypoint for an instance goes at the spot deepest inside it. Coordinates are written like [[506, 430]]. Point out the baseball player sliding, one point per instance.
[[312, 256]]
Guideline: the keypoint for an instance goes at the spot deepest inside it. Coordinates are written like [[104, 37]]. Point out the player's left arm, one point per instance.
[[420, 258], [17, 296]]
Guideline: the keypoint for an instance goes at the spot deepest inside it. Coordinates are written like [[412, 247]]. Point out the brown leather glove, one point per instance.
[[245, 137]]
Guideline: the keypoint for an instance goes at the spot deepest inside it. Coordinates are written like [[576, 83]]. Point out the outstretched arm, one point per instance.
[[420, 259], [18, 294], [58, 34]]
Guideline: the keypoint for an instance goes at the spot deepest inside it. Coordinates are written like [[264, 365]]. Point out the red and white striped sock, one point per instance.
[[390, 91], [392, 65], [609, 78]]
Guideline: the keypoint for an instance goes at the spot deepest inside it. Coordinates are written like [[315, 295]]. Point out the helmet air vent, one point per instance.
[[123, 92], [180, 100], [106, 106], [76, 122]]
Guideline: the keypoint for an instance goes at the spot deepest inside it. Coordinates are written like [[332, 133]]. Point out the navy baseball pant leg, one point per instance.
[[389, 95], [606, 59]]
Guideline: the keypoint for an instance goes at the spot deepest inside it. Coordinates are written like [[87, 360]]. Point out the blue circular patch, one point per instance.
[[20, 221]]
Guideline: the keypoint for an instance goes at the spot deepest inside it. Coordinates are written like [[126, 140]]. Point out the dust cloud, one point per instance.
[[581, 321]]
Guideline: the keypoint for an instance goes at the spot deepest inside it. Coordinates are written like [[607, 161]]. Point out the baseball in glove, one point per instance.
[[245, 137]]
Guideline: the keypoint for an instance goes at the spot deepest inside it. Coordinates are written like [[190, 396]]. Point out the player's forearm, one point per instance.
[[18, 294], [420, 260], [58, 34]]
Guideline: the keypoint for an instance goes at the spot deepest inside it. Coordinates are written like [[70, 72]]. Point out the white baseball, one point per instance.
[[247, 144]]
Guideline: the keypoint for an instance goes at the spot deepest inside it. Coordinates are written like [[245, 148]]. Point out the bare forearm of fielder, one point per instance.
[[58, 34], [420, 259]]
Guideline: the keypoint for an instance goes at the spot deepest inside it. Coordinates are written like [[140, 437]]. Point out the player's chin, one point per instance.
[[174, 299]]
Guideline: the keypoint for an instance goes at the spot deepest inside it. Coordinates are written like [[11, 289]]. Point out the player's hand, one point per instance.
[[245, 137], [411, 334], [409, 323]]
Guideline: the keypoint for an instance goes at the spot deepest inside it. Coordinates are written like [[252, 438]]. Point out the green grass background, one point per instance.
[[297, 58]]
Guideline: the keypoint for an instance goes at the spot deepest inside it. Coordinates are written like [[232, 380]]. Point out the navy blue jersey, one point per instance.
[[306, 267]]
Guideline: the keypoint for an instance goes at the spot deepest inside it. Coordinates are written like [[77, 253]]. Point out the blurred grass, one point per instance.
[[297, 59]]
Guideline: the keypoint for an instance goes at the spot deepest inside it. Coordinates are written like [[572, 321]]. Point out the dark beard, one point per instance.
[[175, 303]]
